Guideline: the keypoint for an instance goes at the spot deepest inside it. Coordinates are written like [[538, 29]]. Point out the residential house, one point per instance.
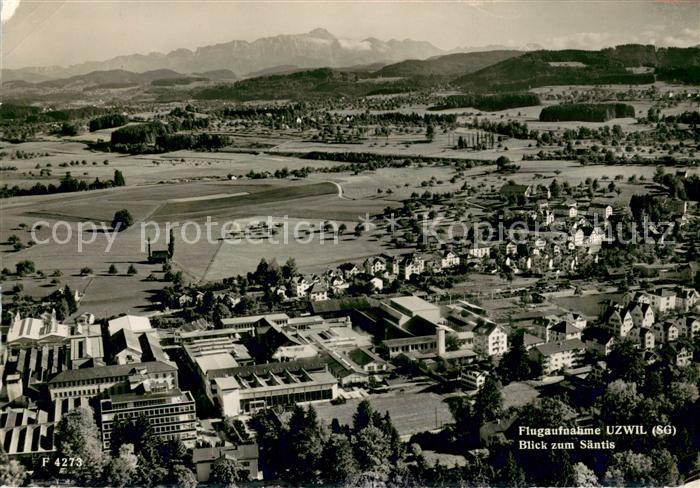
[[490, 339], [473, 379], [663, 299], [665, 332], [643, 337], [300, 285], [564, 331], [449, 259], [642, 315], [686, 299], [349, 270], [599, 341], [479, 251], [375, 265], [556, 356], [318, 292], [244, 453], [411, 264], [619, 319], [683, 355], [688, 326]]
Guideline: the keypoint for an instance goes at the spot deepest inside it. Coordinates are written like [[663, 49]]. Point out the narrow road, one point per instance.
[[340, 190]]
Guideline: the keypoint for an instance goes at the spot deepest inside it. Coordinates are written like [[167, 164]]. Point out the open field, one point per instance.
[[211, 207], [410, 412], [141, 169]]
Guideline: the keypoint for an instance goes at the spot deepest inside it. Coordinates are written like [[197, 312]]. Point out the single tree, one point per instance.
[[118, 178], [122, 220]]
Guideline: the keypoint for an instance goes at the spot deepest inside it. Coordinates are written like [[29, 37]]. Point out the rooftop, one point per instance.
[[216, 361], [135, 323], [551, 348], [116, 370]]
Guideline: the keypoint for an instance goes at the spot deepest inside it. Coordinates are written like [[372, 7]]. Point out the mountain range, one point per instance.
[[318, 48]]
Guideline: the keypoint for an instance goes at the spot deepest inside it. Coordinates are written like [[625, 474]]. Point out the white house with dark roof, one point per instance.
[[374, 265], [642, 315], [665, 332], [490, 339], [687, 299], [556, 356], [663, 299], [318, 292]]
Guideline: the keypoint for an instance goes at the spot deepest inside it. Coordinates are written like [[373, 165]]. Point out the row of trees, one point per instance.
[[489, 103], [587, 112], [67, 184]]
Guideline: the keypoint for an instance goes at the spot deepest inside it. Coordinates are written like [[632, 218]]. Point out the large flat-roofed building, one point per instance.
[[121, 378], [409, 307], [171, 413], [255, 387], [134, 323], [405, 345]]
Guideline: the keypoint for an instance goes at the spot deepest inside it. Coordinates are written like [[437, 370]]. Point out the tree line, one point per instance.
[[67, 184], [489, 103], [587, 112]]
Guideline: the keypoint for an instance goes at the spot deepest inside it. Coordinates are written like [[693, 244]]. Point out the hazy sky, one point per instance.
[[57, 32]]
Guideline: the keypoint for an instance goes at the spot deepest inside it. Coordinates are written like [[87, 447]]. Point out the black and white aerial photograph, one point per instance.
[[364, 244]]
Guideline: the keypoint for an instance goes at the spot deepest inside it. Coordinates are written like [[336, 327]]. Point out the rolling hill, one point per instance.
[[308, 84], [577, 67], [448, 65]]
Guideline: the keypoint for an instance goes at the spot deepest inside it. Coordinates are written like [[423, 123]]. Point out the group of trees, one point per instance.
[[681, 187], [587, 112], [68, 183], [303, 452], [200, 142], [478, 141], [137, 457], [489, 103], [510, 128], [107, 121]]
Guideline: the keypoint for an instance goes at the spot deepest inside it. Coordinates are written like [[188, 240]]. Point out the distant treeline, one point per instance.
[[689, 118], [399, 118], [159, 137], [287, 112], [489, 103], [586, 112], [185, 80], [383, 159], [315, 84], [107, 122], [203, 141], [29, 114], [685, 74], [67, 184]]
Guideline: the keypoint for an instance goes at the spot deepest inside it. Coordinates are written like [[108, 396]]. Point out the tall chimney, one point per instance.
[[441, 341]]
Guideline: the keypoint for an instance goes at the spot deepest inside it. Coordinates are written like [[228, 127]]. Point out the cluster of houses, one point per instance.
[[650, 319], [373, 274]]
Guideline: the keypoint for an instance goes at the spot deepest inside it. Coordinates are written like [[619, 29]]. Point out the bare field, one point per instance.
[[137, 169]]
